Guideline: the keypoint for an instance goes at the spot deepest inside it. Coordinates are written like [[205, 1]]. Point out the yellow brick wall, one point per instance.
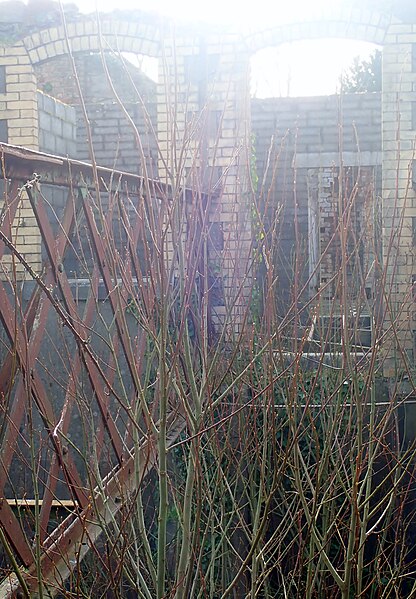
[[19, 107], [26, 238], [399, 201], [203, 112]]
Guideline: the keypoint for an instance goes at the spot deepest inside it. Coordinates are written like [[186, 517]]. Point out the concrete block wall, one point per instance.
[[321, 124], [114, 138], [299, 145], [57, 126], [118, 142]]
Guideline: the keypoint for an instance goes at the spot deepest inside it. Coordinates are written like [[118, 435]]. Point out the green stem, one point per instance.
[[186, 527], [163, 499], [162, 450]]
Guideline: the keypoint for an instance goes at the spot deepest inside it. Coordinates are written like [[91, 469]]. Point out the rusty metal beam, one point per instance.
[[14, 532], [21, 163], [72, 540], [38, 309], [48, 498], [36, 387], [95, 374]]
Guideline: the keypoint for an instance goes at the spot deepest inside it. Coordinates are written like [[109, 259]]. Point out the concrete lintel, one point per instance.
[[325, 159]]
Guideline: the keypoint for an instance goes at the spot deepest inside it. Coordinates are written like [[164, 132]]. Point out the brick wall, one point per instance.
[[24, 234], [204, 111], [57, 127], [18, 102], [399, 199]]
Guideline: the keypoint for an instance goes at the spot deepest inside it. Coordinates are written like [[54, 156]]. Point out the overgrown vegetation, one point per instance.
[[260, 465]]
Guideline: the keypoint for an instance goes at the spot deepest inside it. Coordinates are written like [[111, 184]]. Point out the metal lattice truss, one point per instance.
[[53, 365]]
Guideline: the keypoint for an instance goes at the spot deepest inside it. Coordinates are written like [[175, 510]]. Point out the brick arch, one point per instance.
[[363, 25], [136, 34]]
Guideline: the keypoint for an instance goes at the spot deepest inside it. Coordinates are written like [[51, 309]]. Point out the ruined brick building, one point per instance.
[[308, 163], [207, 72]]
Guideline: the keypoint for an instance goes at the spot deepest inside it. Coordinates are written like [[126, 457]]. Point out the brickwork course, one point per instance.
[[201, 104]]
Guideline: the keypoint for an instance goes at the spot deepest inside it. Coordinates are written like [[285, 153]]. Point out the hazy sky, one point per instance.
[[303, 68], [311, 67], [244, 13]]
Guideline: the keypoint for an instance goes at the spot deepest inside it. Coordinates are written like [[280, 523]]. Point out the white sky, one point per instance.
[[302, 68], [239, 13], [305, 68]]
